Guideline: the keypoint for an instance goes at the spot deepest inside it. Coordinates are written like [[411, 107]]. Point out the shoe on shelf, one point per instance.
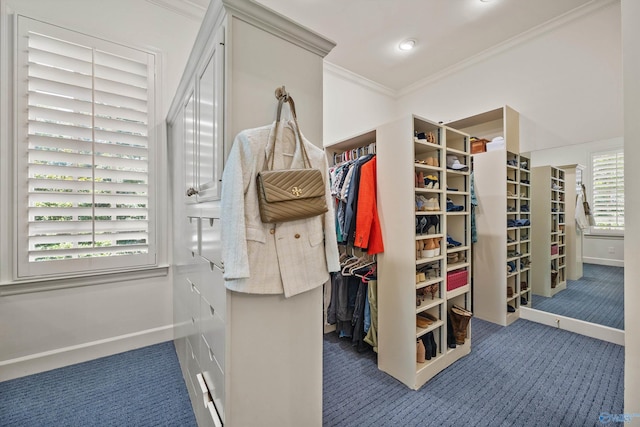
[[436, 242], [524, 286], [431, 182], [423, 322], [432, 161], [509, 291], [422, 225], [510, 309], [434, 346], [429, 250], [420, 180], [452, 207], [452, 243], [432, 204], [420, 351], [432, 221], [523, 301]]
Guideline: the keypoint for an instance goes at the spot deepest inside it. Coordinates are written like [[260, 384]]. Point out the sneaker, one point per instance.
[[452, 207], [432, 204]]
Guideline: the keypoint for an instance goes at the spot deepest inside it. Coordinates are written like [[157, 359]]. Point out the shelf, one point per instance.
[[421, 285], [426, 260], [430, 146], [427, 304], [455, 151], [455, 172], [428, 190], [429, 212], [455, 192], [457, 265], [428, 236], [458, 291], [457, 249], [422, 166], [435, 325], [460, 213], [422, 366]]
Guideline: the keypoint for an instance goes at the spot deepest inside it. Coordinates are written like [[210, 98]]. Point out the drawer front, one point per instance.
[[211, 285], [214, 378], [210, 240], [193, 369], [212, 328], [193, 234]]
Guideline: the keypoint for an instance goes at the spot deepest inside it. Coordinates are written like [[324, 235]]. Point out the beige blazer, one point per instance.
[[291, 257]]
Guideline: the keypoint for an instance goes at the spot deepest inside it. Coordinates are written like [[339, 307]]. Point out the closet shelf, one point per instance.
[[427, 304], [435, 325], [428, 236], [456, 151], [421, 285], [458, 291], [426, 260]]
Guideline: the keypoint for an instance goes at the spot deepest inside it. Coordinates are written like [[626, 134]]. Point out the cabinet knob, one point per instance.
[[191, 191]]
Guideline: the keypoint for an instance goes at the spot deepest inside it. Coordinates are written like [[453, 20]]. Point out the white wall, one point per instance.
[[43, 330], [596, 249], [631, 67], [353, 104], [559, 81]]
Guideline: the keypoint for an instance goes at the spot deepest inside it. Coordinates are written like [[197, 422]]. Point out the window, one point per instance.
[[608, 191], [84, 153]]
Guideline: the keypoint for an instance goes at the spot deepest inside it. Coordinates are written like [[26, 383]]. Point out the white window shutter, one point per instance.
[[85, 107], [608, 190]]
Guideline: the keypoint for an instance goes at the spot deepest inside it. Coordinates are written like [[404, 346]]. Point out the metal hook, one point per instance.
[[281, 94]]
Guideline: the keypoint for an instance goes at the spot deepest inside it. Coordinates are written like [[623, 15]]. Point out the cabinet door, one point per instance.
[[190, 148], [210, 127]]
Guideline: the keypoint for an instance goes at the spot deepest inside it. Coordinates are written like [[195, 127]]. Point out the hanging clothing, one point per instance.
[[474, 203], [368, 234], [372, 334], [581, 218], [259, 258]]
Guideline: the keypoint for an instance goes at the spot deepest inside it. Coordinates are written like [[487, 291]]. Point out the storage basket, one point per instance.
[[456, 278], [478, 145]]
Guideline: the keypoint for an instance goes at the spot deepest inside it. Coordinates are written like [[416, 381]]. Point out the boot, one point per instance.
[[451, 339], [421, 351], [434, 351], [428, 347], [460, 319]]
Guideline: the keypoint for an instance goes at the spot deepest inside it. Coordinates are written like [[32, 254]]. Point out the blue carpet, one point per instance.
[[598, 297], [526, 374], [141, 387]]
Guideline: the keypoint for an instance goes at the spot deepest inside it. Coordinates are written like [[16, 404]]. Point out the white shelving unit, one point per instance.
[[234, 375], [400, 160], [502, 253], [573, 185], [548, 228]]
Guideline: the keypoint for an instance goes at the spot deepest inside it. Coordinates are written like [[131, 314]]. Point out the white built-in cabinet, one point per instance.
[[549, 227], [229, 344], [573, 235], [401, 159], [502, 183]]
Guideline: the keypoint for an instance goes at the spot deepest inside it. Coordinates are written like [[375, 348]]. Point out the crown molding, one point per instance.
[[187, 8], [510, 43], [359, 80]]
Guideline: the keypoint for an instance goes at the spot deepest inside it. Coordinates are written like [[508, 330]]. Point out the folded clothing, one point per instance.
[[452, 207]]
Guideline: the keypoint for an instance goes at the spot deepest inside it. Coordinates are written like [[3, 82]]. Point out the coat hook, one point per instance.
[[281, 93]]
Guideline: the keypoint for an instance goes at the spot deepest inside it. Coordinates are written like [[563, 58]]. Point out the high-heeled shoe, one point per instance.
[[436, 242], [434, 346], [420, 180], [429, 250], [423, 224], [432, 221]]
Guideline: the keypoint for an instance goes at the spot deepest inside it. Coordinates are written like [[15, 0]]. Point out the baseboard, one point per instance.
[[45, 361], [593, 330], [603, 261]]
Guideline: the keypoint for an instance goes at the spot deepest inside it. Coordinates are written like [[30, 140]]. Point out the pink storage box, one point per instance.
[[554, 249], [456, 278]]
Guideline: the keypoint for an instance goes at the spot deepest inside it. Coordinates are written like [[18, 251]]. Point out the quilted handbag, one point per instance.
[[290, 194]]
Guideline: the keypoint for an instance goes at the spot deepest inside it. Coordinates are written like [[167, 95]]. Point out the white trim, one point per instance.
[[603, 261], [358, 79], [52, 359], [185, 8], [593, 330], [530, 34], [51, 284]]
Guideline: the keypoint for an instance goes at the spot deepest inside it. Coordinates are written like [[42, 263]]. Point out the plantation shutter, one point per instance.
[[608, 190], [84, 152]]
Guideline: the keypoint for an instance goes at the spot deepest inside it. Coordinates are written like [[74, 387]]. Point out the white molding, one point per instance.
[[279, 25], [603, 261], [593, 330], [53, 359], [359, 80], [510, 43], [185, 8]]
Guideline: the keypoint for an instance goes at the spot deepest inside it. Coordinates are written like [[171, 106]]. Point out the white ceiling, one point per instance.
[[367, 32]]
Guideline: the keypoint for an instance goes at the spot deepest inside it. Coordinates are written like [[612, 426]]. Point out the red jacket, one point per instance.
[[368, 234]]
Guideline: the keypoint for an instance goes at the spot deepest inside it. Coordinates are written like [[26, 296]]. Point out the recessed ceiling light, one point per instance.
[[485, 1], [407, 44]]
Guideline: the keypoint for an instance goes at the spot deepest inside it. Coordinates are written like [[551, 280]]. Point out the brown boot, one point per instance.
[[460, 320]]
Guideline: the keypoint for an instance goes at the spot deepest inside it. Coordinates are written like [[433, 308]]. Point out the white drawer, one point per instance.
[[210, 240], [193, 234], [211, 286], [214, 378], [193, 369], [212, 328]]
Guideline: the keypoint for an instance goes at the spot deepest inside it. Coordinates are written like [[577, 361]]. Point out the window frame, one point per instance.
[[595, 230], [23, 270]]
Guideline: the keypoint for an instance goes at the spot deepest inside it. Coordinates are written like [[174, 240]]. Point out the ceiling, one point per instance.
[[368, 32]]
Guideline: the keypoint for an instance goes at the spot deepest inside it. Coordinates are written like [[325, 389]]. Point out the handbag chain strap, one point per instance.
[[283, 97]]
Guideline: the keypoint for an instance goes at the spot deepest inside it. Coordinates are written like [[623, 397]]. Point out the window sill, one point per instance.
[[611, 236], [42, 285]]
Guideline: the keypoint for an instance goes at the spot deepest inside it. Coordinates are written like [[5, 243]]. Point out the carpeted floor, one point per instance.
[[598, 297], [141, 387], [524, 375]]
